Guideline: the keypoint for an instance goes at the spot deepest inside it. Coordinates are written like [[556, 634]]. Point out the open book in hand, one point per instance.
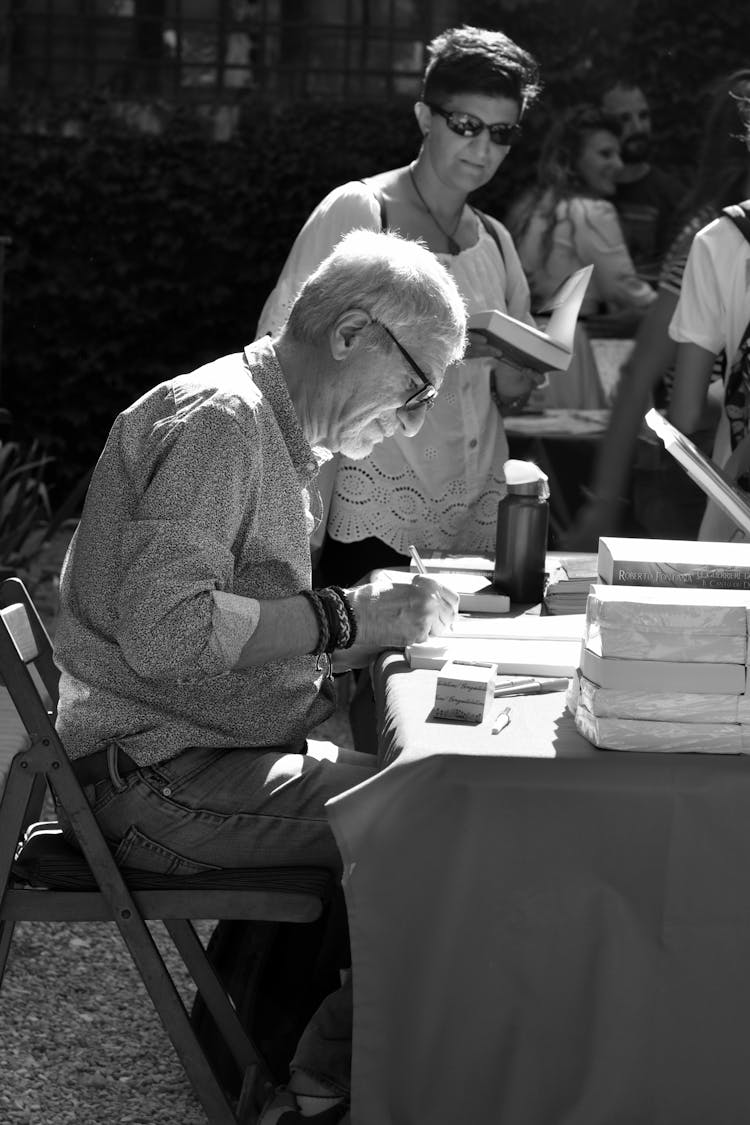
[[715, 483], [520, 343]]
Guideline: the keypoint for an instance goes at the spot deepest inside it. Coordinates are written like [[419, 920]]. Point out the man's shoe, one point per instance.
[[282, 1108]]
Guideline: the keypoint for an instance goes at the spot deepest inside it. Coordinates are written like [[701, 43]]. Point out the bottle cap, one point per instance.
[[527, 478]]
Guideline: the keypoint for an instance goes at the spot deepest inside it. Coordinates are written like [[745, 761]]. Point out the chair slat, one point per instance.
[[17, 623]]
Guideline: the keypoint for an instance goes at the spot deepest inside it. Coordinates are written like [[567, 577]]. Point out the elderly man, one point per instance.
[[195, 657], [646, 197]]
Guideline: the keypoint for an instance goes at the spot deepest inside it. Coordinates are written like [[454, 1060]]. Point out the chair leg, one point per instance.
[[243, 1049], [6, 937], [171, 1010]]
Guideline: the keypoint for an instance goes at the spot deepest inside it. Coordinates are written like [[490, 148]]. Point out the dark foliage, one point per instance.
[[136, 256]]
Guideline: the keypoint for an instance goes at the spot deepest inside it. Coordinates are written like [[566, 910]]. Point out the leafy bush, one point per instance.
[[25, 513], [136, 256]]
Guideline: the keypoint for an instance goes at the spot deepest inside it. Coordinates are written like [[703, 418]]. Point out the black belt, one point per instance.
[[95, 767]]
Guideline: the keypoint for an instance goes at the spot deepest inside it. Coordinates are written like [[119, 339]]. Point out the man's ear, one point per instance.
[[346, 335]]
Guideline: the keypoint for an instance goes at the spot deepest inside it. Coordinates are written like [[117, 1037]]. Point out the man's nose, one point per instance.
[[481, 143], [411, 421]]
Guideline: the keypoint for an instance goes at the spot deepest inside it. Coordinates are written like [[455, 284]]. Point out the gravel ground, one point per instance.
[[80, 1041]]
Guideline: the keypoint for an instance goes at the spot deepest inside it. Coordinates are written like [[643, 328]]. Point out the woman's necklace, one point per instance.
[[453, 247]]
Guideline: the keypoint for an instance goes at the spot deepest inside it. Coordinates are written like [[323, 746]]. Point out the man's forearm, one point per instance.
[[286, 627]]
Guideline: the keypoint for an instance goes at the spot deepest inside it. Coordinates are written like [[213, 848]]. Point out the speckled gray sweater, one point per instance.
[[201, 488]]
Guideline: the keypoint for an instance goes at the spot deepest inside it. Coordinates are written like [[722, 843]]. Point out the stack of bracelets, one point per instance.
[[337, 625]]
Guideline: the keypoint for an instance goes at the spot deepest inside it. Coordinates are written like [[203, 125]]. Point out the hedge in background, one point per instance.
[[139, 256]]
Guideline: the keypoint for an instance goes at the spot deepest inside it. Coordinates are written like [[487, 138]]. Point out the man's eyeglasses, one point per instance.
[[426, 395], [467, 125]]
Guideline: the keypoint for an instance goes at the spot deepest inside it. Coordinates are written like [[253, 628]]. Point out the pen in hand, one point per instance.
[[421, 568]]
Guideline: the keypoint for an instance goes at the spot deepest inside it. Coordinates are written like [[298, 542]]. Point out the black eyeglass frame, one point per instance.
[[426, 395], [501, 133]]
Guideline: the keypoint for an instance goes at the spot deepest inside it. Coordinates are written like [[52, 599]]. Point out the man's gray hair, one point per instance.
[[396, 280]]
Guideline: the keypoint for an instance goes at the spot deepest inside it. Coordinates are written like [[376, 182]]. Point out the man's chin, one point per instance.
[[635, 151], [358, 450]]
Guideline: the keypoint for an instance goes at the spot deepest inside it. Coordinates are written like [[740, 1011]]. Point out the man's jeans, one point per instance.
[[209, 808], [212, 808]]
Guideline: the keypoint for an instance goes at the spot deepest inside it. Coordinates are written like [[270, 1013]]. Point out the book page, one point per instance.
[[565, 304], [708, 476]]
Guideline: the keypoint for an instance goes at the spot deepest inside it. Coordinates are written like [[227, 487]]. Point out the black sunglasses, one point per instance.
[[467, 125], [426, 395]]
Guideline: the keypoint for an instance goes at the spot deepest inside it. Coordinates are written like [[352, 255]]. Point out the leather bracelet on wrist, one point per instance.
[[337, 622], [324, 634]]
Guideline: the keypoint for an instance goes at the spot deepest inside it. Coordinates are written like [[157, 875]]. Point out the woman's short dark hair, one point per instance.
[[472, 60]]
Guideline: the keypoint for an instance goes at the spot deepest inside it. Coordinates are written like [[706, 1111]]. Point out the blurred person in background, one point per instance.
[[646, 198], [566, 221], [665, 502]]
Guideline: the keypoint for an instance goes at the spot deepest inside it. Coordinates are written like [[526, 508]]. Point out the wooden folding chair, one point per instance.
[[42, 878]]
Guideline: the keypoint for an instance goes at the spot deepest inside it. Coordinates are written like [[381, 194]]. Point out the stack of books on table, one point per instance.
[[664, 666], [568, 583]]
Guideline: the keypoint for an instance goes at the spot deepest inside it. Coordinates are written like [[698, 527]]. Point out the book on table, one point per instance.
[[674, 562], [707, 475], [541, 350]]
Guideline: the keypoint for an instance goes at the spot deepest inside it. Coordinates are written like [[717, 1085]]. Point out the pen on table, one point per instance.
[[422, 569], [535, 687], [502, 720]]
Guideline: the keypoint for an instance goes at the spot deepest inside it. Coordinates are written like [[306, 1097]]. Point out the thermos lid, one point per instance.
[[524, 478]]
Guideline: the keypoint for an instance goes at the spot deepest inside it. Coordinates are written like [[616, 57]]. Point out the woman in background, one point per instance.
[[440, 489], [666, 503], [566, 221]]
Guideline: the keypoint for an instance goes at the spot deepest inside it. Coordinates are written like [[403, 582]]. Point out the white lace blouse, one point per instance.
[[439, 489]]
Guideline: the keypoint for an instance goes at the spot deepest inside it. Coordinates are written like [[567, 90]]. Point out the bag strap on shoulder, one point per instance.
[[491, 231], [739, 213]]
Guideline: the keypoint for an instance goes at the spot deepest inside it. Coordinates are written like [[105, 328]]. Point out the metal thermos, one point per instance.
[[521, 542]]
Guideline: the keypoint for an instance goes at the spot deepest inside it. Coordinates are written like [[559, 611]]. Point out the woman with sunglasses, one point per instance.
[[440, 488]]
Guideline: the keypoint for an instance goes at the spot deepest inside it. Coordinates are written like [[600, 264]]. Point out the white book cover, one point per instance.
[[662, 675], [673, 706], [542, 657], [645, 735], [689, 645], [707, 475], [669, 609], [548, 350]]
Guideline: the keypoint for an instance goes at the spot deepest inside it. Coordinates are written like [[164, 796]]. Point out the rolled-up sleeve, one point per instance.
[[699, 316], [176, 552]]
